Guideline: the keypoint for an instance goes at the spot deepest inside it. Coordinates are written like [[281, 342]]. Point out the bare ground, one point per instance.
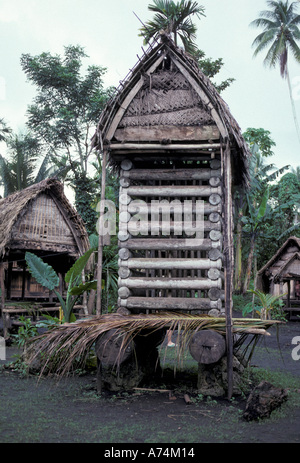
[[71, 412]]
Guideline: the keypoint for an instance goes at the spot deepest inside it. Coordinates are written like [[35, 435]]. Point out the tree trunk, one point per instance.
[[249, 264], [293, 105], [238, 259]]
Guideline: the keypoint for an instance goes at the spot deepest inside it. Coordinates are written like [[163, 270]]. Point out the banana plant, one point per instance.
[[46, 276]]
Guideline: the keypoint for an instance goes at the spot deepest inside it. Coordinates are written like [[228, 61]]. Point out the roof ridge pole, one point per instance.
[[228, 267], [100, 232]]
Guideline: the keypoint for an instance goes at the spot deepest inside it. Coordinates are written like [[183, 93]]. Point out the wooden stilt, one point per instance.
[[100, 246], [228, 268]]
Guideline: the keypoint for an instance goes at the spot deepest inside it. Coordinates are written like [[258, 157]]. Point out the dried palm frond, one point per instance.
[[69, 343]]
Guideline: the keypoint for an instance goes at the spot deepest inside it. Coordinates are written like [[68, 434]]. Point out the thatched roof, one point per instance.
[[16, 208], [286, 254], [166, 89]]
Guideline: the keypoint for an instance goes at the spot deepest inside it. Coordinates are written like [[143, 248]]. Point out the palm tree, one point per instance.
[[25, 165], [280, 34], [174, 18], [4, 130]]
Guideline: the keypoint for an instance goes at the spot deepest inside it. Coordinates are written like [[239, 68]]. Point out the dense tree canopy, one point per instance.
[[64, 114]]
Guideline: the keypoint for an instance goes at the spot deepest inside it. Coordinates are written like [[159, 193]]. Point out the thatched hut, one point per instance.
[[171, 137], [176, 147], [281, 275], [39, 219]]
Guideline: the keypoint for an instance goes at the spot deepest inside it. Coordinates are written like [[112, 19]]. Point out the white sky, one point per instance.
[[108, 30]]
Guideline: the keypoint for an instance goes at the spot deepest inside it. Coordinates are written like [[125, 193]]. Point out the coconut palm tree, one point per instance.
[[174, 18], [280, 34], [25, 164]]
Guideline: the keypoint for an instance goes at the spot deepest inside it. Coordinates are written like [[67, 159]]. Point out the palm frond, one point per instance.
[[59, 348]]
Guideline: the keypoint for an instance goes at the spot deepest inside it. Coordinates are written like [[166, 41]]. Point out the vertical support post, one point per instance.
[[100, 246], [228, 260], [289, 293], [2, 299], [2, 285]]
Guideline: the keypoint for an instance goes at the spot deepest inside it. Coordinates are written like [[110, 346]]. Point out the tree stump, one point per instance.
[[110, 350], [207, 347], [125, 367]]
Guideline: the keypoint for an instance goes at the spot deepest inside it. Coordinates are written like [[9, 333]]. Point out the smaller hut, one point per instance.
[[281, 275], [41, 220]]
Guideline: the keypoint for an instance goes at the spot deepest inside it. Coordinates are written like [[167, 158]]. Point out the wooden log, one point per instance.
[[214, 294], [136, 227], [214, 199], [124, 272], [214, 181], [169, 303], [158, 147], [174, 206], [169, 283], [126, 164], [124, 253], [214, 217], [174, 190], [168, 263], [158, 132], [166, 244], [215, 164], [124, 217], [215, 235], [124, 292], [171, 174], [123, 235], [213, 273], [124, 182], [215, 254], [111, 349], [207, 346], [124, 198]]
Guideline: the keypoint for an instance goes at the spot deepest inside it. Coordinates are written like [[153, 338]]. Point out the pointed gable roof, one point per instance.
[[27, 213], [166, 99], [282, 259]]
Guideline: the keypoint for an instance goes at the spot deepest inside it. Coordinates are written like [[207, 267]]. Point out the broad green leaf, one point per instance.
[[78, 290], [42, 272], [78, 267], [263, 206]]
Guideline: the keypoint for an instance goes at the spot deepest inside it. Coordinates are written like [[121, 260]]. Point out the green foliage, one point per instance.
[[41, 271], [211, 68], [174, 18], [279, 36], [47, 277], [261, 138], [77, 268], [266, 303], [64, 114], [25, 332]]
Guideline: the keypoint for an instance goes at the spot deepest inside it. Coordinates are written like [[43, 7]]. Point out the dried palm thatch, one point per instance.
[[70, 343], [14, 208], [185, 61]]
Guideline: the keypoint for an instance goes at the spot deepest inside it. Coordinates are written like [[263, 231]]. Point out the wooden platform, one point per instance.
[[292, 311], [34, 312]]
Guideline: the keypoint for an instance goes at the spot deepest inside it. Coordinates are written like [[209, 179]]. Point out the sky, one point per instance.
[[108, 31]]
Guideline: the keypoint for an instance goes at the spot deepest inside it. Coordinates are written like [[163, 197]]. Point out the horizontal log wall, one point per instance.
[[163, 263]]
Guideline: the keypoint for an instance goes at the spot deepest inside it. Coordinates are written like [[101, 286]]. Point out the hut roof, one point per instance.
[[285, 255], [146, 98], [14, 208]]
